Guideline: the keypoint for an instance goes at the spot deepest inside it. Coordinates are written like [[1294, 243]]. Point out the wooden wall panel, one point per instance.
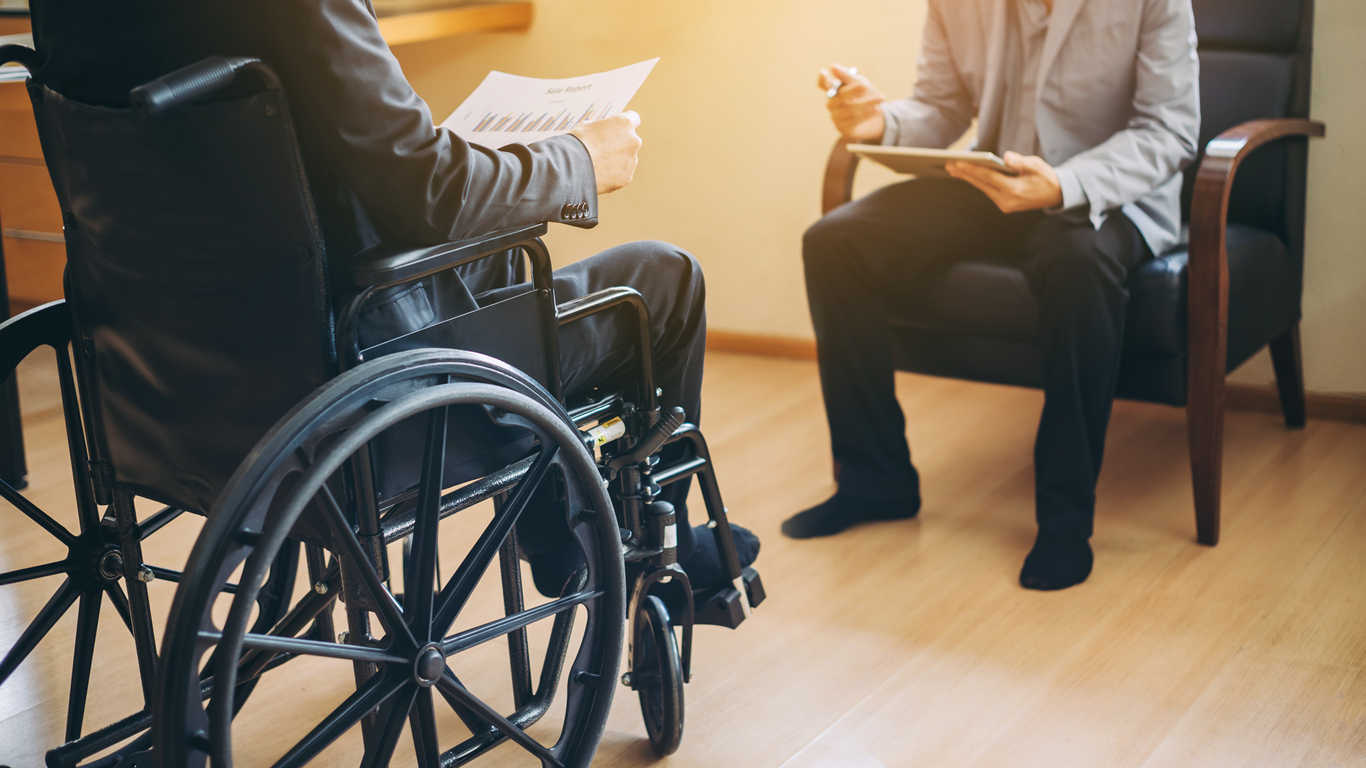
[[34, 271]]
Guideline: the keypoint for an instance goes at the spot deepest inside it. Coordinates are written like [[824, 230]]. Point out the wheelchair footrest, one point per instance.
[[721, 607]]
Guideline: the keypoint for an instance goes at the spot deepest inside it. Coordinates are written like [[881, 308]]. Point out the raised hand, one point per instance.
[[856, 108]]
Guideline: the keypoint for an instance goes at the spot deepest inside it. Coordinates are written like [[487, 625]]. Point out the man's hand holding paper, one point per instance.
[[614, 146]]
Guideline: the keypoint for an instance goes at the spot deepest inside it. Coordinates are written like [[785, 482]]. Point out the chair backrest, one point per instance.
[[1255, 59], [195, 275]]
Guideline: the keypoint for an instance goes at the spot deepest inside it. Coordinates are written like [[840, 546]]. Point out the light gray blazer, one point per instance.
[[1118, 112]]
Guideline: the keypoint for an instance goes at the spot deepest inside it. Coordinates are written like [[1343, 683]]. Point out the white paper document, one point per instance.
[[510, 109]]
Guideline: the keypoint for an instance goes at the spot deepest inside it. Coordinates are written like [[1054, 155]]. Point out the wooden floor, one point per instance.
[[910, 643]]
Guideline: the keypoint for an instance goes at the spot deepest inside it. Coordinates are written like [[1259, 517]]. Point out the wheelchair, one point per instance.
[[202, 367]]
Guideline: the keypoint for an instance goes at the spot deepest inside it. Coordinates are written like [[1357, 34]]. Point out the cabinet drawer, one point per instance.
[[27, 200], [18, 133], [34, 271]]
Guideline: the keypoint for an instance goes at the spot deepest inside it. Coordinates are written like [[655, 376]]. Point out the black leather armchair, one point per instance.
[[1200, 310]]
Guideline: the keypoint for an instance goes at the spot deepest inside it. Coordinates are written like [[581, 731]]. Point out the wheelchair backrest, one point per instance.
[[195, 276]]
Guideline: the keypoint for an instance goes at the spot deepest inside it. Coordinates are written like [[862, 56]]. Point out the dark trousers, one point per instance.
[[867, 258], [600, 350]]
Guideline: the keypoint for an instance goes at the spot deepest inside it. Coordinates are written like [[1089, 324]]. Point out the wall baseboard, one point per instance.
[[761, 345], [1239, 397]]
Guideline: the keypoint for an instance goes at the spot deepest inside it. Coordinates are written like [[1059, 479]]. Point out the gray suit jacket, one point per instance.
[[380, 168], [1118, 111]]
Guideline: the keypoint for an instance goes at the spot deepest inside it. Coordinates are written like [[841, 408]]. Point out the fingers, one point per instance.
[[825, 80], [979, 176], [1024, 164], [847, 75], [995, 186], [633, 116]]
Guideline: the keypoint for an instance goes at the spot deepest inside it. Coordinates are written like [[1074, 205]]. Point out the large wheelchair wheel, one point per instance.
[[657, 675], [102, 561], [411, 668]]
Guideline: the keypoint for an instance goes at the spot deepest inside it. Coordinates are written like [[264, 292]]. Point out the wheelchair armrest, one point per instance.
[[389, 264], [576, 309]]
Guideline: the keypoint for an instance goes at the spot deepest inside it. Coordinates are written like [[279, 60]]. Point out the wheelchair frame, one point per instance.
[[630, 461]]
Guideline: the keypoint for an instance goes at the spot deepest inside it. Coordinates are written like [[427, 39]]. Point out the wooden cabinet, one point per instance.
[[30, 219]]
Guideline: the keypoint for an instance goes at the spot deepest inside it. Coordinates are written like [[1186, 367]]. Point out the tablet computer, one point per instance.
[[927, 162]]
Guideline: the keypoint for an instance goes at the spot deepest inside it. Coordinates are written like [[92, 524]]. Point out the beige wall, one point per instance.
[[736, 138]]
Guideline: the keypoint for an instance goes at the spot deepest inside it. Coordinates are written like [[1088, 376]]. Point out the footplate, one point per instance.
[[724, 607]]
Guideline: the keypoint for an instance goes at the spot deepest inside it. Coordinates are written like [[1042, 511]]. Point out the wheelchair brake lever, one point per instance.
[[652, 441]]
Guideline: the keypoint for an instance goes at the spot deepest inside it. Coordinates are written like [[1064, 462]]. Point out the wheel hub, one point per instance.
[[429, 665], [111, 565]]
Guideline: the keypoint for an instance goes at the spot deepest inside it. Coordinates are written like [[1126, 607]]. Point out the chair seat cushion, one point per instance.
[[991, 299]]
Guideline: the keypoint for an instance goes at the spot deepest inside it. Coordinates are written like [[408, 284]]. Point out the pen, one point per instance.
[[830, 94]]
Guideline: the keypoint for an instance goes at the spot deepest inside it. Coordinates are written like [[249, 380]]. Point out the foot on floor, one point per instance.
[[1056, 562], [844, 510]]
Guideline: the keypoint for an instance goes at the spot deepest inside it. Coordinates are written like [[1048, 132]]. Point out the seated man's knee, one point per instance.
[[672, 264], [823, 242], [1067, 271]]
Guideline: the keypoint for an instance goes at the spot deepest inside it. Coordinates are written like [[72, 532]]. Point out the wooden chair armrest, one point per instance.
[[1214, 179], [1207, 276], [839, 176], [1207, 294]]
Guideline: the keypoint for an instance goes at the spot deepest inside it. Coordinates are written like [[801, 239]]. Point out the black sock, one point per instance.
[[844, 510], [704, 567], [551, 570], [1056, 562]]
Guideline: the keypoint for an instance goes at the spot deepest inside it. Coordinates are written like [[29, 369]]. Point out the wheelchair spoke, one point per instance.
[[297, 646], [471, 720], [87, 629], [499, 627], [422, 722], [342, 719], [120, 603], [455, 594], [36, 572], [451, 686], [390, 614], [420, 581], [388, 728], [38, 629], [36, 515]]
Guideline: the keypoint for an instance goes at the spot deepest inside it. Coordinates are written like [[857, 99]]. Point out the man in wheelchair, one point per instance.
[[383, 172], [232, 254]]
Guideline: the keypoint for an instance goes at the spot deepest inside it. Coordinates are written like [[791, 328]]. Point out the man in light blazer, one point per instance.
[[1096, 104]]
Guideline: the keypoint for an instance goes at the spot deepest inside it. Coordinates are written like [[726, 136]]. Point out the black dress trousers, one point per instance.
[[596, 351], [868, 257]]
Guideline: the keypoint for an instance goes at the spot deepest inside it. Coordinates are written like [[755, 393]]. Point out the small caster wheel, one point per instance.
[[657, 676]]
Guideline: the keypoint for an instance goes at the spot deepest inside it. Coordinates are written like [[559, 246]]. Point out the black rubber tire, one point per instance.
[[257, 512], [657, 675]]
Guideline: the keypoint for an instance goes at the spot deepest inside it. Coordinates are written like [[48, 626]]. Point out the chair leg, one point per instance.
[[1285, 358], [1205, 434]]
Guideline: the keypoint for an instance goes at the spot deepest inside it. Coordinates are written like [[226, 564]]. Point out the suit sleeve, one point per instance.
[[372, 130], [939, 110], [1162, 136]]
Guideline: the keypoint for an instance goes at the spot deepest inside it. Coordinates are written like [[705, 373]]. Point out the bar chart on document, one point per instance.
[[511, 109]]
